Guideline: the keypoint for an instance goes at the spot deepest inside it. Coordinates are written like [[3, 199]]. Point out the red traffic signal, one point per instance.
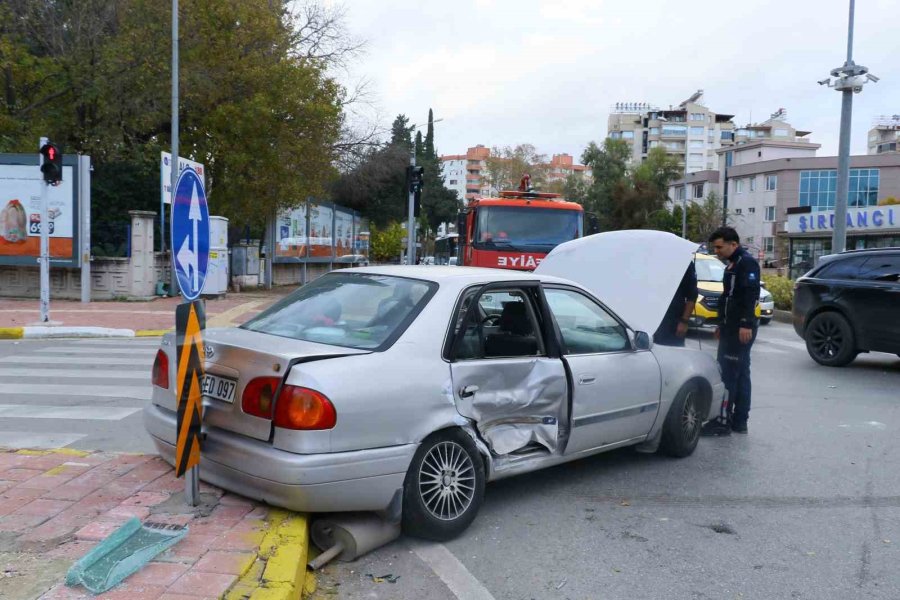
[[52, 167]]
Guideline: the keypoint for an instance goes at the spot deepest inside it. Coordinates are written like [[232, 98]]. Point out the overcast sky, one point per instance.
[[504, 72]]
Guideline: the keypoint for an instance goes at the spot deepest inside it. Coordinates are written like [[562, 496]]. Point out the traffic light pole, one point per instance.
[[45, 244], [411, 226]]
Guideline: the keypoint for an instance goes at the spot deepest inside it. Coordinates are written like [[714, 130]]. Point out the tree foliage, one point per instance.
[[507, 165], [439, 204], [257, 104], [386, 242], [625, 197]]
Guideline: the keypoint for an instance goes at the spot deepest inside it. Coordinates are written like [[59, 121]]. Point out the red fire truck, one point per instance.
[[518, 229]]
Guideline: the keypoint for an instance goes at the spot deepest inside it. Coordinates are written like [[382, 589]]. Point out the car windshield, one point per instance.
[[525, 228], [351, 310], [710, 270]]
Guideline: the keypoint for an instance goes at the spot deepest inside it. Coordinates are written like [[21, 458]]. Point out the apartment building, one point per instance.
[[690, 131], [561, 166], [884, 135], [464, 173]]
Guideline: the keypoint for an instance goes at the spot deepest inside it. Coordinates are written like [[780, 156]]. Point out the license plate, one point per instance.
[[219, 388]]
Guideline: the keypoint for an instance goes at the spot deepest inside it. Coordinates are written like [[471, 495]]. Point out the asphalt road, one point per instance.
[[805, 506]]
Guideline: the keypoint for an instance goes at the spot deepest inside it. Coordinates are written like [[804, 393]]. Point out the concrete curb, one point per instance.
[[45, 332], [783, 316]]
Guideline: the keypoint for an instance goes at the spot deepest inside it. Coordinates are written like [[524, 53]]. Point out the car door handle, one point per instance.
[[586, 379], [468, 391]]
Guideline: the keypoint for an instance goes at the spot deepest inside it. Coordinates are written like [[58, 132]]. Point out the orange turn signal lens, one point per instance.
[[303, 408]]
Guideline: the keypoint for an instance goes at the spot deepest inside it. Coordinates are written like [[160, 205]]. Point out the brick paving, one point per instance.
[[59, 506]]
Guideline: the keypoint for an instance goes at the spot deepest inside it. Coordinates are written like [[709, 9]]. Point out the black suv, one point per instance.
[[850, 303]]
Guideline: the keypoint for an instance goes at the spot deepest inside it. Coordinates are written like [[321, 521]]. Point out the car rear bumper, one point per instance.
[[333, 482]]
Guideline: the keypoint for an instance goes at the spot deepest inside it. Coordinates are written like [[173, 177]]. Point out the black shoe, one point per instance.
[[739, 428], [715, 428]]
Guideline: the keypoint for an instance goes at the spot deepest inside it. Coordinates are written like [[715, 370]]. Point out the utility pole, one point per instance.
[[173, 282], [45, 242], [411, 217], [849, 80]]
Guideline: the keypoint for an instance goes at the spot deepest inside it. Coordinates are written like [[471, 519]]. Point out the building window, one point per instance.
[[674, 130], [696, 158], [752, 210], [679, 193], [728, 135], [698, 190], [769, 245], [452, 182], [627, 135], [781, 133], [738, 186], [818, 189], [697, 117], [697, 144], [654, 143], [753, 183], [615, 135], [698, 131], [771, 183], [770, 213], [654, 131]]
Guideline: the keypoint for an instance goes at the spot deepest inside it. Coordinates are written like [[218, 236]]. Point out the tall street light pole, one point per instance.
[[849, 80]]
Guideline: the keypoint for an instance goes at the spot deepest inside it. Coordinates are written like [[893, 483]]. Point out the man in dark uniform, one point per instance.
[[674, 325], [737, 330]]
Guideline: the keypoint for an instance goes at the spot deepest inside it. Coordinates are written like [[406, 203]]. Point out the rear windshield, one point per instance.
[[351, 310]]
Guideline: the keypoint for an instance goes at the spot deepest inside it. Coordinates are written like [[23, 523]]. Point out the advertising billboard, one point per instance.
[[321, 222], [343, 234], [20, 214], [291, 240]]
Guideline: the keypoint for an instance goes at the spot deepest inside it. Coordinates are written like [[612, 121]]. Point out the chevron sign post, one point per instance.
[[190, 258]]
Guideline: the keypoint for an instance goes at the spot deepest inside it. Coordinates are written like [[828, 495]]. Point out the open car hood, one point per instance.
[[634, 272]]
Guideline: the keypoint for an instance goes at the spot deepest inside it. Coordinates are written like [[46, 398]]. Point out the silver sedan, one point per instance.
[[405, 389]]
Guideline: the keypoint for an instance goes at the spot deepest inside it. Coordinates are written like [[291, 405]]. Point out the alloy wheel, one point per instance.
[[690, 419], [826, 338], [447, 481]]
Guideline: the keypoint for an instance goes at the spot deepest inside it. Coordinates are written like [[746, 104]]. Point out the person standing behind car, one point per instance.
[[674, 326], [737, 329]]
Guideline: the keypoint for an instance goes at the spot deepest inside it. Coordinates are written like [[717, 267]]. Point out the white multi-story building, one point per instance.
[[884, 135], [464, 173], [690, 132]]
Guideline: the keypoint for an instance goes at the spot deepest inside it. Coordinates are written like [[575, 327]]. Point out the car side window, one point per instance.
[[847, 268], [881, 268], [503, 325], [586, 327]]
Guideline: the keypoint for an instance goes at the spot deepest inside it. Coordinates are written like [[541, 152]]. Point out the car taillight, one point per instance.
[[303, 408], [258, 396], [160, 373]]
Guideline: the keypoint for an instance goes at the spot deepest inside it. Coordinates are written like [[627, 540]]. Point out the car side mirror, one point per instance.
[[642, 341]]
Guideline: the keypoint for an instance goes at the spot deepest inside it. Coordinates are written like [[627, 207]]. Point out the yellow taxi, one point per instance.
[[710, 274]]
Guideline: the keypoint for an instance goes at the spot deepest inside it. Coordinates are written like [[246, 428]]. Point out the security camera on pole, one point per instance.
[[849, 80]]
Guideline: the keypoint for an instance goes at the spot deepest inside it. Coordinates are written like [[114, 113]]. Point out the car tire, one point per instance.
[[830, 340], [441, 509], [765, 321], [681, 431]]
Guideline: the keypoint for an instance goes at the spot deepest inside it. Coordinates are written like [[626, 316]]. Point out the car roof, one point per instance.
[[863, 252], [460, 275]]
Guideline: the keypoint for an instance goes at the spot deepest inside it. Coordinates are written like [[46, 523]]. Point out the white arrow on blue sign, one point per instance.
[[190, 234]]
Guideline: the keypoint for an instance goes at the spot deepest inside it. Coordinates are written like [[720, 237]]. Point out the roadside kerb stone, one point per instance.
[[61, 503]]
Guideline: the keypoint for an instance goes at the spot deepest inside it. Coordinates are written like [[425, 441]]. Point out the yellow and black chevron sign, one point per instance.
[[190, 321]]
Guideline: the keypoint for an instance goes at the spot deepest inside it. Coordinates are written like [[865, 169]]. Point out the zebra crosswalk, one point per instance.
[[87, 394]]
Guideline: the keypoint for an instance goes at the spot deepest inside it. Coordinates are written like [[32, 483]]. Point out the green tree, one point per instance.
[[386, 242], [439, 204], [609, 165]]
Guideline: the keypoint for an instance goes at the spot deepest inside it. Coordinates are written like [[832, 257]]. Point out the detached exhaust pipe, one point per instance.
[[347, 536]]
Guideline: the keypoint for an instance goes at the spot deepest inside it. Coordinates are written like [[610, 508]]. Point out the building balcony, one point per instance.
[[671, 135]]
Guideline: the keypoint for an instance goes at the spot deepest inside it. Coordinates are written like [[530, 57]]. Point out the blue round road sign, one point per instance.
[[190, 234]]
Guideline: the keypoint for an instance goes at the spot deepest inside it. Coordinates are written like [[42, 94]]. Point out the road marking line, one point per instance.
[[142, 375], [228, 318], [75, 413], [787, 344], [143, 392], [81, 360], [17, 439], [452, 572], [97, 351]]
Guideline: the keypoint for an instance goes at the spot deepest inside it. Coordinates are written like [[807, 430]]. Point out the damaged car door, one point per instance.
[[616, 389], [503, 377]]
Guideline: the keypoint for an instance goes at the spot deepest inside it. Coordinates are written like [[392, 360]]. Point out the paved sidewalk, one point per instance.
[[152, 317], [56, 505]]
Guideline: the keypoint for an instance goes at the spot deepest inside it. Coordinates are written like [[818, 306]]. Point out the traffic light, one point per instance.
[[415, 176], [53, 164]]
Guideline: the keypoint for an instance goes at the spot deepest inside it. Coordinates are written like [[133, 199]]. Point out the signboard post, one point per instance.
[[45, 244], [190, 257]]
